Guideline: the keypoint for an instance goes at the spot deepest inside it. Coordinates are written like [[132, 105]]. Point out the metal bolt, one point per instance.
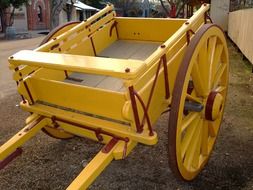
[[127, 70]]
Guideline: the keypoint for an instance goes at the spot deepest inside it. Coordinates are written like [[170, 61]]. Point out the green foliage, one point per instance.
[[15, 3]]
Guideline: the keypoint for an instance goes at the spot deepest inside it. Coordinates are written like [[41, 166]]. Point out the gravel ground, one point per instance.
[[48, 163]]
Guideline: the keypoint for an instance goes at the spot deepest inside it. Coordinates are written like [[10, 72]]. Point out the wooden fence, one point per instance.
[[240, 30]]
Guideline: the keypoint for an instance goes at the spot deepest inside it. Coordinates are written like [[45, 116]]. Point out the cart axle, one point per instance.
[[193, 106]]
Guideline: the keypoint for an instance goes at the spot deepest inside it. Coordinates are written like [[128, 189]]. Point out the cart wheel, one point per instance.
[[59, 30], [196, 114], [55, 132]]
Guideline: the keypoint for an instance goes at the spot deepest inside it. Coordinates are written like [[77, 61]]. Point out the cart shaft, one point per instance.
[[21, 137]]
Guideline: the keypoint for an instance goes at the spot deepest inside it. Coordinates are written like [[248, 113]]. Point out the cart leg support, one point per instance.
[[10, 149]]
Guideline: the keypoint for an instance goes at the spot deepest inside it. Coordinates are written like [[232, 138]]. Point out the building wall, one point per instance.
[[38, 15], [219, 12]]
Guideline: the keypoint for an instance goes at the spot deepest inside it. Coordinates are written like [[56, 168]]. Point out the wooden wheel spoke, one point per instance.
[[186, 141], [218, 75], [197, 152], [193, 151], [191, 117], [220, 89], [204, 65], [211, 129], [211, 49], [193, 98], [211, 55], [204, 142], [197, 80], [216, 60]]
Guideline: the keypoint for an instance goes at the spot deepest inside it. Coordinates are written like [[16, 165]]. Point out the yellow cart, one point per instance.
[[110, 78]]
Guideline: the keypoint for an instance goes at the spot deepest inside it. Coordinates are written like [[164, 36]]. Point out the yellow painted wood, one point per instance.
[[98, 164], [23, 72], [198, 17], [84, 26], [77, 63], [91, 171], [151, 29], [102, 38], [119, 149], [130, 49], [112, 127], [21, 137], [196, 133], [98, 104], [108, 104]]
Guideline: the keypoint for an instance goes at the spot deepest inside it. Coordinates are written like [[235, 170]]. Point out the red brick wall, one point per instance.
[[32, 15]]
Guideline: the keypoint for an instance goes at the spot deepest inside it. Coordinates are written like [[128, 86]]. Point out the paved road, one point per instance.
[[7, 48]]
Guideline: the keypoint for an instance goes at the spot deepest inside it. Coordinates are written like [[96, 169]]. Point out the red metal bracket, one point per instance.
[[97, 131], [207, 17], [108, 147], [135, 110], [114, 25], [11, 157], [151, 133], [93, 46], [29, 93], [188, 35], [166, 80]]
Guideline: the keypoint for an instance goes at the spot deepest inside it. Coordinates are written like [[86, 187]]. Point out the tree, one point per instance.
[[56, 7], [127, 6], [4, 6]]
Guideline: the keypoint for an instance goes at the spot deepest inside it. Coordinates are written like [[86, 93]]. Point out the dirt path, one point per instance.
[[52, 164], [7, 48]]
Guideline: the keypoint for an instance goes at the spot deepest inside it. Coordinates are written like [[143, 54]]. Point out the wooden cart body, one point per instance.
[[107, 78]]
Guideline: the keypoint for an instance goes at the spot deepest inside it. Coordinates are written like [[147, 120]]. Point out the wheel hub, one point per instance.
[[214, 105]]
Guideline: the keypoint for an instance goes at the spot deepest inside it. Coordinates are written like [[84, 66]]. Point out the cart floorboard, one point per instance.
[[121, 49]]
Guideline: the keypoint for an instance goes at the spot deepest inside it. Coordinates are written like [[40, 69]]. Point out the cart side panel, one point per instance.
[[104, 37], [78, 40], [79, 46], [143, 84], [80, 98], [147, 29]]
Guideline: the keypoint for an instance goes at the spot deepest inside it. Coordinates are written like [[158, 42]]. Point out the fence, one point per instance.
[[240, 28]]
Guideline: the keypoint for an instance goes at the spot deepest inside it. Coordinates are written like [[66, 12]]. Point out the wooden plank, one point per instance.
[[77, 63], [111, 83], [96, 81], [152, 29], [240, 29], [124, 49], [94, 101]]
